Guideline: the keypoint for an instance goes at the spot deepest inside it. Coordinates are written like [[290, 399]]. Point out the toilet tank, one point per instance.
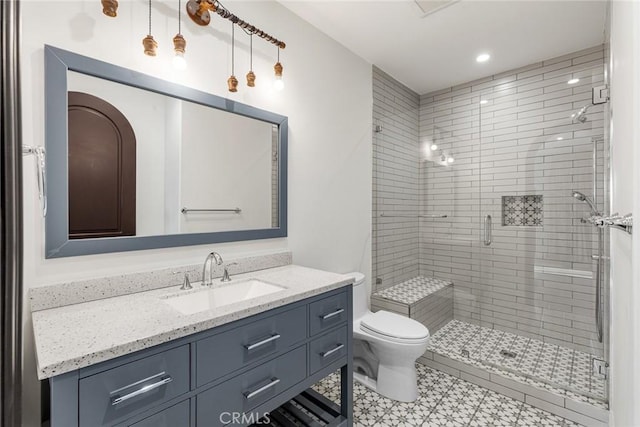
[[360, 295]]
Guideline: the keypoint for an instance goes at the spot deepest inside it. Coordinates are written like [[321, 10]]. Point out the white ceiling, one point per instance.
[[438, 50]]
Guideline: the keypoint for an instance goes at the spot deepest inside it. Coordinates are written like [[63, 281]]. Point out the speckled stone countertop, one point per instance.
[[79, 335]]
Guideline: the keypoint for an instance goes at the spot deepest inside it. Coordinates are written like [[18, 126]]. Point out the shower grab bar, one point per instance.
[[415, 216], [186, 210], [487, 230]]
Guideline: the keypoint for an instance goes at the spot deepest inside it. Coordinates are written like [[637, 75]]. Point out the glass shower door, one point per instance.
[[536, 285]]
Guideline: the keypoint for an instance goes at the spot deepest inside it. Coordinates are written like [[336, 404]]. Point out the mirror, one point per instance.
[[135, 162]]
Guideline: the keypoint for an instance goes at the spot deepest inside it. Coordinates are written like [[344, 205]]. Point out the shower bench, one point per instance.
[[425, 299]]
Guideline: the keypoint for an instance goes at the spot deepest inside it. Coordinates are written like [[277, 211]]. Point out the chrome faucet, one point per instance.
[[209, 260]]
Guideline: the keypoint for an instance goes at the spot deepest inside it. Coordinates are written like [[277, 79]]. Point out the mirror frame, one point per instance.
[[57, 242]]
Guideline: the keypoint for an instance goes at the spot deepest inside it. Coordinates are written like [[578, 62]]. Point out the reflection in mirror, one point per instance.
[[136, 162], [197, 169]]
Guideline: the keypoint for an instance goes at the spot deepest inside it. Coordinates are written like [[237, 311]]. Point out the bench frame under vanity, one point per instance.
[[250, 366]]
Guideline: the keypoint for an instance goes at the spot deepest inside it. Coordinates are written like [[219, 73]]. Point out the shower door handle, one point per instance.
[[487, 230]]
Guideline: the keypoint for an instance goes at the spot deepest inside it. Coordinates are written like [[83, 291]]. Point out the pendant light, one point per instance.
[[232, 82], [150, 45], [278, 84], [251, 77], [179, 43]]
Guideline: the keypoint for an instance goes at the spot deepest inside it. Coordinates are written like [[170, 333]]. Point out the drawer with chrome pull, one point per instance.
[[328, 312], [113, 395], [247, 391], [228, 351], [327, 349]]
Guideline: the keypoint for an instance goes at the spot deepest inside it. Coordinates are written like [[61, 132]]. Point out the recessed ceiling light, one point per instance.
[[484, 101], [483, 57], [573, 81]]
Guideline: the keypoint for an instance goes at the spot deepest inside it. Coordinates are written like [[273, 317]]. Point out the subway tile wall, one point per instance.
[[396, 187], [512, 135]]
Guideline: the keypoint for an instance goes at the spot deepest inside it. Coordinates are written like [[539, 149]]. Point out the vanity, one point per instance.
[[229, 365]]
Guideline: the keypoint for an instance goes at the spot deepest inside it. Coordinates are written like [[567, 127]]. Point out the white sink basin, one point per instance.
[[212, 298]]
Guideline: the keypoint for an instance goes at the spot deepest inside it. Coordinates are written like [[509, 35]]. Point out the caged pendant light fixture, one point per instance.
[[179, 44], [150, 45], [200, 12]]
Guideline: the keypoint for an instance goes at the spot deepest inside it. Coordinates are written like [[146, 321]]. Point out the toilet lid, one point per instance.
[[394, 326]]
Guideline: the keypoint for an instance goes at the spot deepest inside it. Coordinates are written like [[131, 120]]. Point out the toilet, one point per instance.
[[386, 346]]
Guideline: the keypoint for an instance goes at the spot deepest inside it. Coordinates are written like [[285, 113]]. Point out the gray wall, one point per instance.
[[511, 146], [396, 186]]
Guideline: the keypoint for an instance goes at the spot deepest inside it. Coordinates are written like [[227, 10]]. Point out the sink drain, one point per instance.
[[509, 354]]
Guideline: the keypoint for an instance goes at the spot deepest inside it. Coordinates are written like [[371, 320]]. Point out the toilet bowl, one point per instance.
[[395, 342]]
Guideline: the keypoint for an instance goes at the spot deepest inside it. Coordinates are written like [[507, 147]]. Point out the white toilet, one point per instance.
[[390, 344]]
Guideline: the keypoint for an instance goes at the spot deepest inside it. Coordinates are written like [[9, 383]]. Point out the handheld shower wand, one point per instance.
[[581, 197]]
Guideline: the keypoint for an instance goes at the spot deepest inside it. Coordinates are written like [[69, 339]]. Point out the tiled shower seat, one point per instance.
[[425, 299]]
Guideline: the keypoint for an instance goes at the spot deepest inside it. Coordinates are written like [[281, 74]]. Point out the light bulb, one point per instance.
[[179, 63], [450, 159], [434, 147], [278, 84]]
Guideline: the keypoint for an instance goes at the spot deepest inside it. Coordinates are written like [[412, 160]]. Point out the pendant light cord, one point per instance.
[[149, 17], [251, 53], [233, 48], [179, 17]]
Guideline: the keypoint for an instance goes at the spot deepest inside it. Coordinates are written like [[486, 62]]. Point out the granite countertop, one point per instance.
[[79, 335]]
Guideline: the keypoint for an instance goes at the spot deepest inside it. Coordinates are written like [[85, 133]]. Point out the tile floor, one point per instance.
[[561, 370], [444, 401]]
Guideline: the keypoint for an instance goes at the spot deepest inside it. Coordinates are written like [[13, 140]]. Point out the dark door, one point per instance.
[[102, 169]]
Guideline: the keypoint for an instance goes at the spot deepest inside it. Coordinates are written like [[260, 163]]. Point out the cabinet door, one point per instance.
[[328, 313], [240, 395], [174, 416], [117, 394], [229, 351]]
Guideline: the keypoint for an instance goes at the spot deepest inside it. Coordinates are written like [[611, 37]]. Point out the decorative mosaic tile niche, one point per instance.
[[522, 211]]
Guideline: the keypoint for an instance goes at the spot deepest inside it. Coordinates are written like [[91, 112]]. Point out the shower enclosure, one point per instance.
[[493, 197]]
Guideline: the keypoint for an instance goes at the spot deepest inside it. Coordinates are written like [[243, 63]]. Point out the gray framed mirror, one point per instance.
[[135, 162]]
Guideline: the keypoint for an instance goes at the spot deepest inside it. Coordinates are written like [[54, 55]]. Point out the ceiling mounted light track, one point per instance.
[[206, 6]]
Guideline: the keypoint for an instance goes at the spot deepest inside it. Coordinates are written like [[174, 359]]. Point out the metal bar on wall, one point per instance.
[[10, 218]]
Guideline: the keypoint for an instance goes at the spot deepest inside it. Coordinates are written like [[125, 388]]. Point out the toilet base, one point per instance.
[[397, 383]]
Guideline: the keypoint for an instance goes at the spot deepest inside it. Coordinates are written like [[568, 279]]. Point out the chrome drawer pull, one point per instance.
[[263, 342], [330, 315], [116, 399], [249, 395], [330, 352]]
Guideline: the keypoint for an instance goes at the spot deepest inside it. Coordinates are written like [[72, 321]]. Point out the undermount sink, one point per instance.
[[212, 298]]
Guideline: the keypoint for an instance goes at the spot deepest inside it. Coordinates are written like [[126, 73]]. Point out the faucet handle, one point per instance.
[[225, 274], [186, 285]]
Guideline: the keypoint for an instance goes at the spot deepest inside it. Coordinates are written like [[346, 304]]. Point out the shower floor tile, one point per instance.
[[561, 370], [444, 401]]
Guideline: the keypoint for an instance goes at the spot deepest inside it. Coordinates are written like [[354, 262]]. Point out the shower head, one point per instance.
[[584, 199], [580, 115]]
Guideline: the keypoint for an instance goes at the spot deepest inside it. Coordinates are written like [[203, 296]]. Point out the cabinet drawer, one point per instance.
[[328, 312], [327, 349], [226, 352], [116, 394], [174, 416], [217, 405]]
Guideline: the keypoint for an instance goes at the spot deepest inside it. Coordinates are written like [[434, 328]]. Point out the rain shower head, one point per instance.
[[584, 199], [580, 115]]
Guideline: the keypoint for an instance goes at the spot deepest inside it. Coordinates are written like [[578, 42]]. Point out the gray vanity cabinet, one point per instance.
[[249, 367]]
